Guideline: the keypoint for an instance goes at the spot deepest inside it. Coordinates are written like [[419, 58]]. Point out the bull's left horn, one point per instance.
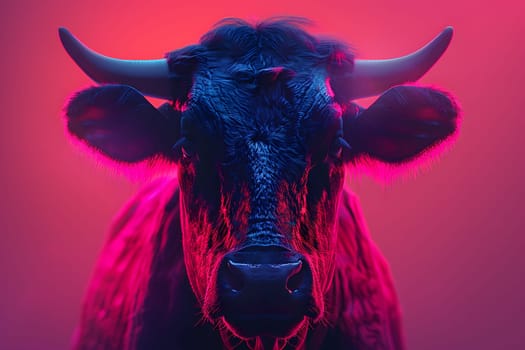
[[373, 77], [151, 77]]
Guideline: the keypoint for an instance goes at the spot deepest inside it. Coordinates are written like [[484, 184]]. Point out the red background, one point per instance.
[[453, 235]]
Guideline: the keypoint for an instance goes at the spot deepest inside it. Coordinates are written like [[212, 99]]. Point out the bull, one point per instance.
[[255, 243]]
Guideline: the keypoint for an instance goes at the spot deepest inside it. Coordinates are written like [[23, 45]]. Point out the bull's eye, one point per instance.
[[185, 149], [336, 149]]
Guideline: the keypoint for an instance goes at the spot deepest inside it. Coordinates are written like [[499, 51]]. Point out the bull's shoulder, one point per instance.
[[154, 200], [365, 305], [354, 244], [119, 284]]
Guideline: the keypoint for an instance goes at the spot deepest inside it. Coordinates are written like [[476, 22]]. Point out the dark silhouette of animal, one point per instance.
[[255, 244]]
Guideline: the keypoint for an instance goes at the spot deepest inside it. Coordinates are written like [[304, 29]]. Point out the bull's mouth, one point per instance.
[[275, 325], [265, 292]]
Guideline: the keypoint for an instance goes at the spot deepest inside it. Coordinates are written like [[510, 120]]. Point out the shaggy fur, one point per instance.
[[140, 297]]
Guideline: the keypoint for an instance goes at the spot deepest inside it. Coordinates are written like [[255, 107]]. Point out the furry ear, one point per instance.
[[402, 124], [117, 121]]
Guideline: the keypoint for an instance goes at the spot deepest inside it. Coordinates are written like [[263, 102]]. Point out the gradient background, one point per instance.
[[453, 235]]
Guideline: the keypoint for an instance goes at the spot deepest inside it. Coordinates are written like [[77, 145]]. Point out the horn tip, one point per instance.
[[65, 35], [63, 31], [448, 32], [440, 43]]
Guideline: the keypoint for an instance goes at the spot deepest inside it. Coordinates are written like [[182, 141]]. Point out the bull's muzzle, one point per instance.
[[265, 291]]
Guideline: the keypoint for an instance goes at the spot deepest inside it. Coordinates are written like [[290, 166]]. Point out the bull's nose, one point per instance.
[[265, 291], [283, 277]]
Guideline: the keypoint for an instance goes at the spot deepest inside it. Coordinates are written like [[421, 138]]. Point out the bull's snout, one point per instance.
[[265, 291], [276, 279]]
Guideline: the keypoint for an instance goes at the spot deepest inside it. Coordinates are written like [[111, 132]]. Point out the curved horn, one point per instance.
[[151, 77], [373, 77]]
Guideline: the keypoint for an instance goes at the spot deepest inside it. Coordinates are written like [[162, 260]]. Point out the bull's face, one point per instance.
[[261, 128], [261, 171]]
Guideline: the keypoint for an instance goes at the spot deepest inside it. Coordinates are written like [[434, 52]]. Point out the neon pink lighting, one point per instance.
[[120, 280]]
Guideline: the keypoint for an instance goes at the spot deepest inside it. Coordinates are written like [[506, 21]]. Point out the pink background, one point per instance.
[[453, 235]]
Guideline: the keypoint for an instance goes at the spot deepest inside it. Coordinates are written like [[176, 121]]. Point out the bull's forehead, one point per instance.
[[257, 103], [274, 106], [233, 88]]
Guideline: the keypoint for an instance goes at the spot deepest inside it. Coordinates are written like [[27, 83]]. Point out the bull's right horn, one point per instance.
[[150, 77]]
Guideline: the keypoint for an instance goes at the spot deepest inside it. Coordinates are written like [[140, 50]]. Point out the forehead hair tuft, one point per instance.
[[272, 42]]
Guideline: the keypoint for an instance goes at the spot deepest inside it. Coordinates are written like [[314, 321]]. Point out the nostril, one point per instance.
[[233, 277], [295, 279]]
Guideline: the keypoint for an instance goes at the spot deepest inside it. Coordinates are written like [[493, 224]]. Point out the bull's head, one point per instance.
[[261, 126]]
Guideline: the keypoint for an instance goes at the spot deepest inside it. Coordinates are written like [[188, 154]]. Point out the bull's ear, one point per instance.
[[401, 124], [117, 121]]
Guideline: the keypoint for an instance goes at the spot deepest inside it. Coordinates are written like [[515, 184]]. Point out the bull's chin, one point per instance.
[[248, 326]]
